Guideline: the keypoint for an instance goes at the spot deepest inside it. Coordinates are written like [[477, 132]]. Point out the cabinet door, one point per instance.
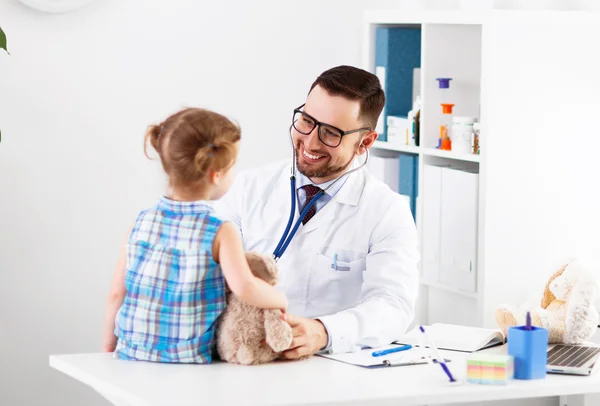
[[459, 213], [430, 230], [387, 170]]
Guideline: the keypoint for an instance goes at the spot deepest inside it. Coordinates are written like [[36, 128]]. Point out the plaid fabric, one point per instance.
[[175, 290]]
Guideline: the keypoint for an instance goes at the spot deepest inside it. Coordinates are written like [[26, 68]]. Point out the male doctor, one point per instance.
[[350, 271]]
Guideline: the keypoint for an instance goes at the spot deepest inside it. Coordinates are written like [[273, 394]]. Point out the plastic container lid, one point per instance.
[[466, 120], [444, 83], [447, 108]]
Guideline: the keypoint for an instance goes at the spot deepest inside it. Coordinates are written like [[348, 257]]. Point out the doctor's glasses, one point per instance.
[[328, 134]]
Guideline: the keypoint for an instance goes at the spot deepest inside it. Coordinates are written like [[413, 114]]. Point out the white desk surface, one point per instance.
[[315, 381]]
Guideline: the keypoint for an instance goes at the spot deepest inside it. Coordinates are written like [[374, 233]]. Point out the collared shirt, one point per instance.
[[302, 180]]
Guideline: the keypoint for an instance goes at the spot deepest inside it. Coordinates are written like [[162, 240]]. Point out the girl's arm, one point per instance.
[[229, 252], [115, 300]]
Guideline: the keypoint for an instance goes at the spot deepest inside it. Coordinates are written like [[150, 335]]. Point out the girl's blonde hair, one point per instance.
[[191, 143]]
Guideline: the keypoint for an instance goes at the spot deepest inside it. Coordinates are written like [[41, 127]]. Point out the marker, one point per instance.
[[528, 322], [391, 350]]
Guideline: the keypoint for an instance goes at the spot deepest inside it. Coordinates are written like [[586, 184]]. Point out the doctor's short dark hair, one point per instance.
[[355, 84], [191, 143]]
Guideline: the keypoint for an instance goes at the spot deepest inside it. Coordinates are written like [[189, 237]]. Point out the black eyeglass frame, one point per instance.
[[318, 125]]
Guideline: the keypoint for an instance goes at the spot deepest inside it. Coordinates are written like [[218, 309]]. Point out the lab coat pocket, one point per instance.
[[335, 284]]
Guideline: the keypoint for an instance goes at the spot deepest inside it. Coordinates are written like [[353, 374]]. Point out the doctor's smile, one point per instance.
[[311, 158]]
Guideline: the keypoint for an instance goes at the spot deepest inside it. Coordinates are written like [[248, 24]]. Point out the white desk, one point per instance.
[[316, 381]]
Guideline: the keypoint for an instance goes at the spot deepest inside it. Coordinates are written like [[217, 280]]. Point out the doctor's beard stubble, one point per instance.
[[326, 170]]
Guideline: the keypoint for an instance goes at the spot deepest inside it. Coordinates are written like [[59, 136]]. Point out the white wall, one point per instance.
[[75, 97], [541, 196]]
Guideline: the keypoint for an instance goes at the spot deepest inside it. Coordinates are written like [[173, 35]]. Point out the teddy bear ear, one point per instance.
[[263, 266], [272, 269], [549, 296], [253, 258]]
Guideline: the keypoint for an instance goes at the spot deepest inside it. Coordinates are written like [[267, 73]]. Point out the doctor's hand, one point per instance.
[[309, 336]]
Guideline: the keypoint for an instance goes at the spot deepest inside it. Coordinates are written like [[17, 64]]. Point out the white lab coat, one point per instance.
[[370, 228]]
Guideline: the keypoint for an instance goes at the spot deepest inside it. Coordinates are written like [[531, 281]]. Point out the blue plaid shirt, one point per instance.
[[175, 290]]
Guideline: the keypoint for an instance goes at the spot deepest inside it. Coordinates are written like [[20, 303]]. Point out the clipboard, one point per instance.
[[390, 363], [363, 357]]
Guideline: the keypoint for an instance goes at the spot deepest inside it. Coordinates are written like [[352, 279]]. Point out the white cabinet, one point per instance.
[[386, 169], [431, 224], [528, 200], [458, 236], [449, 228]]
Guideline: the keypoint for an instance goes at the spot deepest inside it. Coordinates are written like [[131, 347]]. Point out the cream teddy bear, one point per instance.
[[567, 308], [246, 334]]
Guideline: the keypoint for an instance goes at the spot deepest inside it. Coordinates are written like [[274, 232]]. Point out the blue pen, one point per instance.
[[335, 264], [528, 322], [391, 350], [437, 355]]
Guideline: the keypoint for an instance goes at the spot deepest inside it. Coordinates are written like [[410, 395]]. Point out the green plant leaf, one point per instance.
[[3, 40]]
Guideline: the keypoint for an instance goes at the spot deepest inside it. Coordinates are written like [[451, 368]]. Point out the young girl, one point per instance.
[[168, 288]]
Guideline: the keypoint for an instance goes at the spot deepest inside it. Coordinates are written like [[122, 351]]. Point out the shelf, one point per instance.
[[383, 145], [405, 16], [449, 289], [476, 17], [450, 155]]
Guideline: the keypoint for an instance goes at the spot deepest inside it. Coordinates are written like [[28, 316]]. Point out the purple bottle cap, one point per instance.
[[444, 83]]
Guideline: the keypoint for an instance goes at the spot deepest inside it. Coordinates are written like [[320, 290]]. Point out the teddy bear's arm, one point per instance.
[[278, 333]]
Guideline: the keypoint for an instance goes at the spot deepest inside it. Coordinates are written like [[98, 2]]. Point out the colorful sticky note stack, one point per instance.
[[490, 369]]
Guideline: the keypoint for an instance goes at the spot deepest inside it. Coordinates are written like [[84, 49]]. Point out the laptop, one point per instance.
[[573, 359]]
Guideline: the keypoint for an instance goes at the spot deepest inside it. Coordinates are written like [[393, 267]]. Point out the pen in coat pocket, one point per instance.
[[335, 266]]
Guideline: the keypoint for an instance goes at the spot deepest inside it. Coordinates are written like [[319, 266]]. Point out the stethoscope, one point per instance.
[[287, 235]]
